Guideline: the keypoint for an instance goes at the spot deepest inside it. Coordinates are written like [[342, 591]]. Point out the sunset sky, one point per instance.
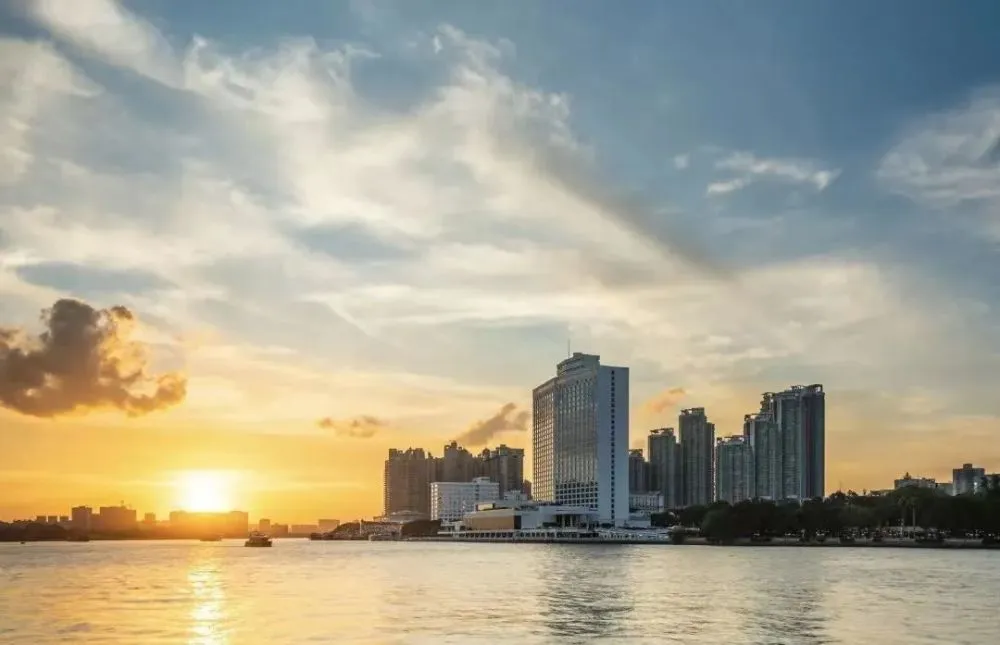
[[349, 226]]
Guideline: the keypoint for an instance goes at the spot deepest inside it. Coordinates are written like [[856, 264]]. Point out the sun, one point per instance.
[[204, 490]]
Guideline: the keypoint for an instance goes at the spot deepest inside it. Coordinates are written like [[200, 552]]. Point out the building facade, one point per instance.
[[81, 518], [799, 414], [406, 481], [638, 473], [906, 481], [734, 468], [504, 465], [697, 439], [580, 430], [451, 500], [761, 433], [966, 479], [665, 466]]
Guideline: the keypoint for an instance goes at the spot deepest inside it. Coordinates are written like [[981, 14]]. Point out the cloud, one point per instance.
[[105, 28], [363, 427], [665, 400], [750, 168], [950, 159], [682, 162], [507, 419], [83, 360]]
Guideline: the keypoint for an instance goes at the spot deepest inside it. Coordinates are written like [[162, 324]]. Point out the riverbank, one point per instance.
[[885, 543]]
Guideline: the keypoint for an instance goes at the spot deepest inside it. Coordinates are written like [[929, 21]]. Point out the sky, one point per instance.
[[273, 240]]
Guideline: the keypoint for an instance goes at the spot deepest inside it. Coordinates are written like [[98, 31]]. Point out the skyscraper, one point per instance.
[[697, 436], [638, 472], [503, 465], [733, 469], [580, 437], [765, 445], [799, 414], [407, 480], [665, 466]]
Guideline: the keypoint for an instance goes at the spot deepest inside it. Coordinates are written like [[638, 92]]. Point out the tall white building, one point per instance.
[[733, 470], [799, 413], [451, 500], [580, 438]]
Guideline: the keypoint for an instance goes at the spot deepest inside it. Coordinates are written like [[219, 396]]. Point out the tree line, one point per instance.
[[848, 515]]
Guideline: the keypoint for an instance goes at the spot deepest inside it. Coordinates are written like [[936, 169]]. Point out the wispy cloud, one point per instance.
[[950, 159], [665, 400], [750, 168], [363, 427]]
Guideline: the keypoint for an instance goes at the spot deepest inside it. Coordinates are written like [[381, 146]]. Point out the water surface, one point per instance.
[[383, 592]]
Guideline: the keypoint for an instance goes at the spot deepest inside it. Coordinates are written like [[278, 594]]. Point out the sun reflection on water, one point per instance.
[[208, 613]]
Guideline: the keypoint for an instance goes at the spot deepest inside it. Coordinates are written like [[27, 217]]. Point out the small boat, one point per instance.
[[210, 538], [257, 539]]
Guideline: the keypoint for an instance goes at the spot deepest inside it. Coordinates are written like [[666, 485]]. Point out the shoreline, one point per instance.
[[965, 545]]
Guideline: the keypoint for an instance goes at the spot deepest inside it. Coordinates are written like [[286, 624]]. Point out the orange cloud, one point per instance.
[[665, 400], [505, 420]]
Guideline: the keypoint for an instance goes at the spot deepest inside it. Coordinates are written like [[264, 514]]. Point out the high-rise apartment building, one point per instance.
[[800, 416], [697, 438], [638, 473], [966, 479], [665, 466], [406, 481], [456, 465], [733, 469], [504, 465], [580, 437], [761, 433]]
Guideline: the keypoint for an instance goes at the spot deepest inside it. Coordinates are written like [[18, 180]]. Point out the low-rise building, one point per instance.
[[507, 516], [651, 502], [451, 500], [907, 481]]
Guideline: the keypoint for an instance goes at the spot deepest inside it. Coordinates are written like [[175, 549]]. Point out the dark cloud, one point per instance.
[[507, 419], [83, 360], [363, 427], [562, 167], [665, 400]]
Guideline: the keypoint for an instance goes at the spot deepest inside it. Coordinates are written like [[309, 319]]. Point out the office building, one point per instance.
[[406, 481], [80, 517], [451, 500], [580, 437], [761, 434], [697, 438], [906, 481], [651, 502], [264, 526], [638, 473], [734, 468], [665, 466], [504, 465], [799, 414], [967, 479]]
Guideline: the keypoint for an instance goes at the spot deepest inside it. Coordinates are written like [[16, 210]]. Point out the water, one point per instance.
[[382, 592]]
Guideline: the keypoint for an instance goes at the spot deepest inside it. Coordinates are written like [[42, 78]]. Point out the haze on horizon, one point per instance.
[[296, 238]]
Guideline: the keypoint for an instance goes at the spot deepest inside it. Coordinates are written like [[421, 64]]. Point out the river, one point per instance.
[[420, 592]]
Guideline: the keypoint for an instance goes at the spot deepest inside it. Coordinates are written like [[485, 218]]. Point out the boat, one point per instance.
[[257, 539], [210, 538]]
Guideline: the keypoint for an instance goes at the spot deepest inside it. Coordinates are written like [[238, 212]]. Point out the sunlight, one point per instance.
[[204, 490]]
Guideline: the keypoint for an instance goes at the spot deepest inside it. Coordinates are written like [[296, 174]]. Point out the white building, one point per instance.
[[451, 500], [531, 516], [580, 438], [646, 502]]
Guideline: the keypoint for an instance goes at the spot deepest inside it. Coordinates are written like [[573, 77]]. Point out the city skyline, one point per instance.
[[348, 227]]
